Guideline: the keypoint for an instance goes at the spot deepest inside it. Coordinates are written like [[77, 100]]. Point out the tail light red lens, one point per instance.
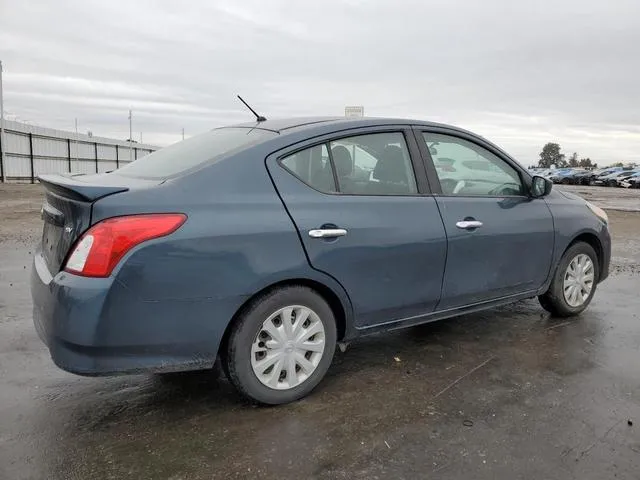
[[101, 247]]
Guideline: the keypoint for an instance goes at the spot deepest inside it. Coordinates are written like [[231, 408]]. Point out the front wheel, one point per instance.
[[574, 282], [281, 346]]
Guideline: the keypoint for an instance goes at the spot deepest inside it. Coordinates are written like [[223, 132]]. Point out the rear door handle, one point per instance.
[[327, 233], [469, 224]]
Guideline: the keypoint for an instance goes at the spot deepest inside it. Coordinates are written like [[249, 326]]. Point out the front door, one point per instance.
[[364, 218], [500, 239]]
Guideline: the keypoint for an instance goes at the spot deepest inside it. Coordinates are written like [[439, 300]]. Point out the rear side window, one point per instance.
[[372, 164], [313, 167], [195, 151]]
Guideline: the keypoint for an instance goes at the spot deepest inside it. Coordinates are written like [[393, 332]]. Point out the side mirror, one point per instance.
[[540, 186]]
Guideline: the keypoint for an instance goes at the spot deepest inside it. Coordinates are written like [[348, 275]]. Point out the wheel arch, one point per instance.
[[340, 311], [592, 240]]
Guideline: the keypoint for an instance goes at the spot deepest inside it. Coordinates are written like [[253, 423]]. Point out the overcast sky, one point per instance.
[[519, 73]]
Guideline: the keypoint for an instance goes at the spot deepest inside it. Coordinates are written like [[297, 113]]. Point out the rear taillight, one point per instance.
[[101, 247]]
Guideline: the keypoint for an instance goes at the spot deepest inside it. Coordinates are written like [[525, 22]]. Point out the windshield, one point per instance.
[[195, 151]]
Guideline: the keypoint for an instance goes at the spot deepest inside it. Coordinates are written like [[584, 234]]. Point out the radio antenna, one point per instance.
[[259, 118]]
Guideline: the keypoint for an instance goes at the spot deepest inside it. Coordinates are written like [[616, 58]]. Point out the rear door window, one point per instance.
[[189, 154], [313, 167], [371, 164]]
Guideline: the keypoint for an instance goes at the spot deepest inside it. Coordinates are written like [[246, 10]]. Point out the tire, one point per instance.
[[249, 340], [554, 299]]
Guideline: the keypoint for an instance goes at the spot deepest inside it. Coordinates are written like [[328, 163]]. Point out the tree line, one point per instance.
[[551, 154]]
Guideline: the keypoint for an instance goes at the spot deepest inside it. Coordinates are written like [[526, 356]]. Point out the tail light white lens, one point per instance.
[[101, 247], [80, 253]]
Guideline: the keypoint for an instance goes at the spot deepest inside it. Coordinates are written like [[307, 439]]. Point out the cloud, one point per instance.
[[518, 73]]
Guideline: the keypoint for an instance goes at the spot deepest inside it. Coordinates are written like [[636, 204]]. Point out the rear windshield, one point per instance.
[[195, 151]]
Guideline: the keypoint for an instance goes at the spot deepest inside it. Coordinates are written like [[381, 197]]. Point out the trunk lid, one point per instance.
[[67, 207]]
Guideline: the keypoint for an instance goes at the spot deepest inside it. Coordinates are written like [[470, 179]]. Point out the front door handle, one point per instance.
[[327, 233], [469, 224]]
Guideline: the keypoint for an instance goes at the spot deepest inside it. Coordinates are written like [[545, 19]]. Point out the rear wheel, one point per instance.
[[281, 346], [574, 282]]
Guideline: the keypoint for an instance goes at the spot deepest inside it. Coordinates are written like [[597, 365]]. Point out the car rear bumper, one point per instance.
[[97, 326]]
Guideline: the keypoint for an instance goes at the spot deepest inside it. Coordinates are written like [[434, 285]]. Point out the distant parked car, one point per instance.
[[561, 175], [624, 181], [575, 176], [633, 182], [603, 172], [611, 180], [584, 178], [261, 245]]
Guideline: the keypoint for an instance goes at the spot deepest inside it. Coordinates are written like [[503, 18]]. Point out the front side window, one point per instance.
[[467, 169]]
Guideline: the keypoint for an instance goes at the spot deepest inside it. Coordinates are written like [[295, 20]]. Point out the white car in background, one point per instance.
[[631, 181]]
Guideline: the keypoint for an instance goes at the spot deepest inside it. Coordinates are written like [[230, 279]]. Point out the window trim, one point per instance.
[[336, 181], [416, 161], [432, 174]]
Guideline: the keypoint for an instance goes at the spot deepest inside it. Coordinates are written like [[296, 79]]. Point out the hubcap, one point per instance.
[[578, 280], [288, 347]]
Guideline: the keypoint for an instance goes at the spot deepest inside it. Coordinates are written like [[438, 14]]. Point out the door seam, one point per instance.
[[299, 235], [446, 255]]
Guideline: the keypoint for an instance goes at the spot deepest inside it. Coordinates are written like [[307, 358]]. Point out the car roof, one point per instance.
[[309, 123], [298, 129]]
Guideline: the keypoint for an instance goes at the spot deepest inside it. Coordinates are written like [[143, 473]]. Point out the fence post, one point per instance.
[[69, 154], [33, 173], [95, 149], [117, 157], [135, 153], [2, 175]]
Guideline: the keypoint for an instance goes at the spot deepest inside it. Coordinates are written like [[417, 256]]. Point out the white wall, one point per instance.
[[31, 151]]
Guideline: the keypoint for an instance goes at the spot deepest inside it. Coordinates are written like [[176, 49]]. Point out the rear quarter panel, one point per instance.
[[237, 240]]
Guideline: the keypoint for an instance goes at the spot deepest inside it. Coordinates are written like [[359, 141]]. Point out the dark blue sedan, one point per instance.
[[267, 244]]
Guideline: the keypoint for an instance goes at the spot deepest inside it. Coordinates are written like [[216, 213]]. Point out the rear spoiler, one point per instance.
[[75, 189]]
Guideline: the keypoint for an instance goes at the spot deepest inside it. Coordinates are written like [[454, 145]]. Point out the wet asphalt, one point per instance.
[[506, 394]]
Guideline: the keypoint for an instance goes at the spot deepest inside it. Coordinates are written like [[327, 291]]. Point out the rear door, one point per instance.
[[365, 216], [500, 239]]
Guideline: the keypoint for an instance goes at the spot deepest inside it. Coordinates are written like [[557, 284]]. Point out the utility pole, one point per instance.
[[3, 145], [130, 139], [183, 133]]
